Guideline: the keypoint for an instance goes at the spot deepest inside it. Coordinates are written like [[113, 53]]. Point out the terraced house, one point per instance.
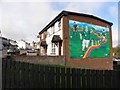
[[84, 40]]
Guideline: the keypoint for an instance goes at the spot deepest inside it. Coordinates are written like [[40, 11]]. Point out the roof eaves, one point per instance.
[[65, 13], [87, 15]]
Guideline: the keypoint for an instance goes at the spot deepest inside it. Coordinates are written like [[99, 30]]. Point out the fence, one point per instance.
[[25, 75], [116, 65]]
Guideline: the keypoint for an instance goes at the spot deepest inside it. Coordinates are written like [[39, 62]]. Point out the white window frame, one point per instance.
[[53, 49]]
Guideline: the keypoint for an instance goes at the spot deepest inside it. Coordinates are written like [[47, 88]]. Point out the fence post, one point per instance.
[[36, 76], [63, 80], [46, 76], [4, 68], [26, 75], [31, 74], [116, 79], [13, 69], [58, 75], [68, 78], [17, 74], [41, 76], [52, 77], [93, 77], [83, 78], [8, 73], [74, 78], [88, 76]]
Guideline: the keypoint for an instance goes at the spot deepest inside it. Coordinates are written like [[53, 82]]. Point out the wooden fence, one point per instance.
[[17, 74]]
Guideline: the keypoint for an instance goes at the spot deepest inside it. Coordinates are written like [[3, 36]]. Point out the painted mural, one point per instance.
[[88, 40]]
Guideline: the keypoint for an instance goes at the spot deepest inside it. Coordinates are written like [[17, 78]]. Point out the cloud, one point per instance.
[[84, 7], [113, 10], [25, 20], [60, 0], [85, 0], [115, 36], [26, 0], [93, 8]]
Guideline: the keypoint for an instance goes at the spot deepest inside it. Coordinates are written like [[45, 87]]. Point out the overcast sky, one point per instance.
[[24, 19]]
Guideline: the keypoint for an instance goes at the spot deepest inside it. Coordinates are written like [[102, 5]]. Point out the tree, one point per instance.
[[116, 51]]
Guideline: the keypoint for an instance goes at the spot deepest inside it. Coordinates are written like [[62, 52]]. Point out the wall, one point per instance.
[[50, 36], [90, 63], [41, 59], [22, 44]]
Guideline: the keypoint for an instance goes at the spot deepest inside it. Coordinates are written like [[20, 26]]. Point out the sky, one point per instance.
[[24, 19]]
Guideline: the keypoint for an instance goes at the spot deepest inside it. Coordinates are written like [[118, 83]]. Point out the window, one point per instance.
[[53, 48], [53, 29], [47, 34], [59, 25]]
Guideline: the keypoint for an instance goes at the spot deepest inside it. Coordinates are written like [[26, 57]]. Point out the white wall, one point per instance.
[[50, 36], [22, 44]]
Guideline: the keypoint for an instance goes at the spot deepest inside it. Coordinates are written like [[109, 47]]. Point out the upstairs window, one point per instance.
[[47, 33], [59, 25], [53, 49], [53, 29]]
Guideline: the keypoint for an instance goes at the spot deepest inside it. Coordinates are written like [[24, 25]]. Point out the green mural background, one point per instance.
[[88, 40]]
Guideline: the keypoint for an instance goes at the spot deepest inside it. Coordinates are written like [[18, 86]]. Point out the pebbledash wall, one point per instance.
[[56, 29], [66, 36]]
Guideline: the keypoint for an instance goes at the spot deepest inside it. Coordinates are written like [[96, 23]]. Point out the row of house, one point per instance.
[[6, 44], [25, 45]]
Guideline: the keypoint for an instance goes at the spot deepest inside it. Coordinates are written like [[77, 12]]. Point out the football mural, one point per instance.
[[88, 40]]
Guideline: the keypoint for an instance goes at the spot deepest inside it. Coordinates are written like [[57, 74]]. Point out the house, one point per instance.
[[35, 45], [13, 44], [4, 46], [84, 40], [24, 45]]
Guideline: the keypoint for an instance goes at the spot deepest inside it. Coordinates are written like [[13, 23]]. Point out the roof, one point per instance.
[[56, 38], [4, 38], [65, 13]]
